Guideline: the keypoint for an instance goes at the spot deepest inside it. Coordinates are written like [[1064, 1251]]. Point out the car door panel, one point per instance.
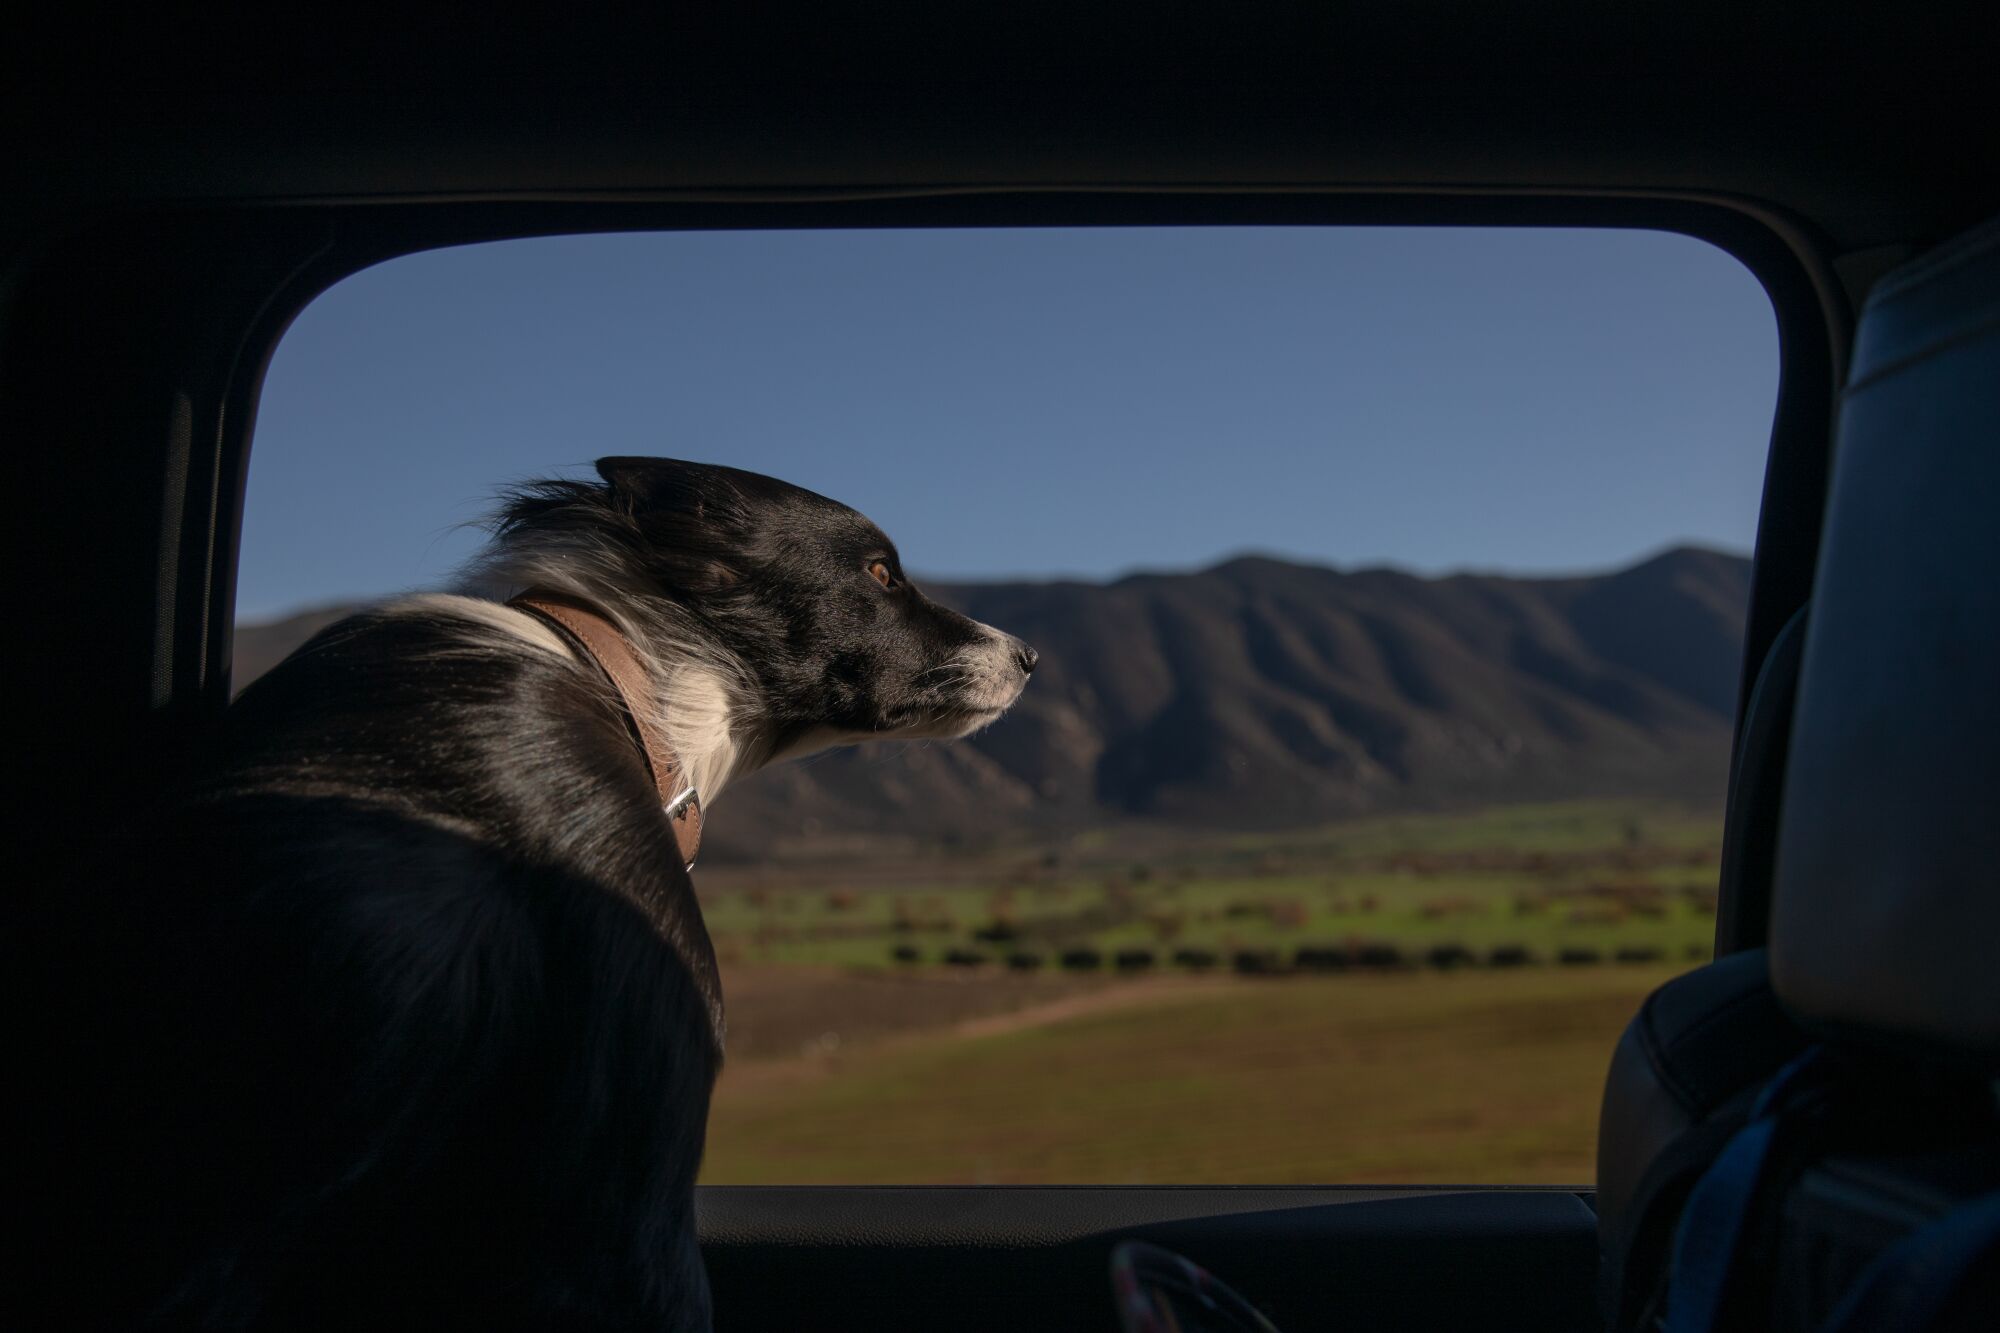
[[975, 1258]]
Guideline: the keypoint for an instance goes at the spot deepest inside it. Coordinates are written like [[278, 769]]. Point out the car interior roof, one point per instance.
[[1859, 121]]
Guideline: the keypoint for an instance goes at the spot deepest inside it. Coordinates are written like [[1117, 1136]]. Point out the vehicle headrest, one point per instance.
[[1885, 922]]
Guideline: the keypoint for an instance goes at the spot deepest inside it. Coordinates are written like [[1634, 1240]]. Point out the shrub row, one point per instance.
[[1307, 958]]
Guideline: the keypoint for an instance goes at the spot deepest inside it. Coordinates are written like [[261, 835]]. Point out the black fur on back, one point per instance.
[[426, 1016], [401, 1011]]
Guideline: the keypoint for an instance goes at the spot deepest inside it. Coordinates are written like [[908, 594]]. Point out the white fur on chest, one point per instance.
[[700, 714]]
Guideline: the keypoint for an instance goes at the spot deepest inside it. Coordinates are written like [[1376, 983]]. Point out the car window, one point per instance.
[[1387, 587]]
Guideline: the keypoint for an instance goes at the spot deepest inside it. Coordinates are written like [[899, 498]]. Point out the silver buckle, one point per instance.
[[677, 808]]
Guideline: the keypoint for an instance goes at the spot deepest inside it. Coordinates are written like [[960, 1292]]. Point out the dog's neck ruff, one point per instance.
[[605, 644]]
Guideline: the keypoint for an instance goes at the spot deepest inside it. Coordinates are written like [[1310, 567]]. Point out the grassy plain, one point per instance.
[[1461, 1078], [1587, 876], [847, 1066]]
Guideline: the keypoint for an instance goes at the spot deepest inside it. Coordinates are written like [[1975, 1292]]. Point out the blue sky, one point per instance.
[[1067, 402]]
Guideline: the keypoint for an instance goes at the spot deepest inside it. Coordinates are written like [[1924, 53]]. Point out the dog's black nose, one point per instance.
[[1025, 658]]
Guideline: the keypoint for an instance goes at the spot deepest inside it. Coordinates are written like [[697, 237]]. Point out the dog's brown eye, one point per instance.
[[879, 571]]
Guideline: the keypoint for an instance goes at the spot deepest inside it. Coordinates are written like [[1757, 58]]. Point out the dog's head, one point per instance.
[[807, 597]]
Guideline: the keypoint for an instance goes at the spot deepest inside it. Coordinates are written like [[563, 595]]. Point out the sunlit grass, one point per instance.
[[1482, 1077], [1599, 876], [1416, 1072]]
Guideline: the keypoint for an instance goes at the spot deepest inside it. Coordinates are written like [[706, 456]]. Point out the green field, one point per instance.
[[1416, 999], [1587, 878], [1478, 1077]]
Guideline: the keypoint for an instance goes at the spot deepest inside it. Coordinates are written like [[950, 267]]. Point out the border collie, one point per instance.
[[419, 1018]]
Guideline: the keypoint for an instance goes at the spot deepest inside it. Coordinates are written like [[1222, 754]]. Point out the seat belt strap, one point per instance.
[[1717, 1214]]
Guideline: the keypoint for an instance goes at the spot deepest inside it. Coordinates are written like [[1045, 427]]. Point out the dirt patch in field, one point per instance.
[[1104, 999], [780, 1012]]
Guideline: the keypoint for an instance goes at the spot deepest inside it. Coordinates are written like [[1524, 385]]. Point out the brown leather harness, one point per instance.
[[603, 643]]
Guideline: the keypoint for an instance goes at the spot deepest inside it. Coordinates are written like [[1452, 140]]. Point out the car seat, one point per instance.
[[1807, 1137]]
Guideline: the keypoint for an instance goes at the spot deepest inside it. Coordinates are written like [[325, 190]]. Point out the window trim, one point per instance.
[[274, 261]]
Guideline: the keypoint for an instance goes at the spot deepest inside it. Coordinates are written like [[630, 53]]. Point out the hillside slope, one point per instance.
[[1261, 693]]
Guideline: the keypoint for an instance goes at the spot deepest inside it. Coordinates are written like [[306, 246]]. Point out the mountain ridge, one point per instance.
[[1260, 691]]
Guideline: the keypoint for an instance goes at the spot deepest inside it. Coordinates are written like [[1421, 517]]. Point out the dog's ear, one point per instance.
[[644, 480], [692, 517], [661, 487]]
